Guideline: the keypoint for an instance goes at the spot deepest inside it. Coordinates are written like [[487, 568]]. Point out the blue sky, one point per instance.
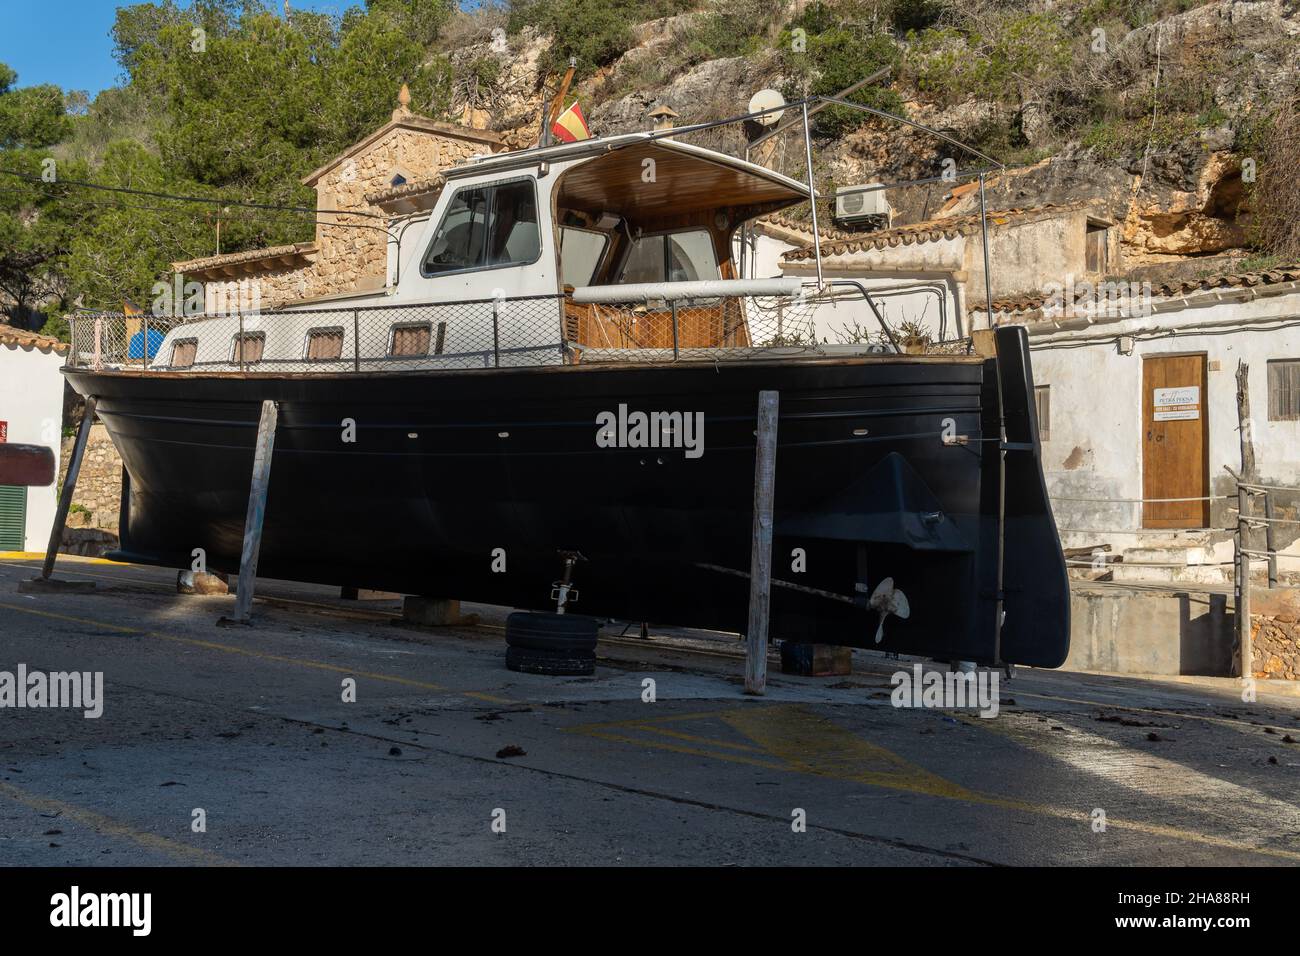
[[67, 42]]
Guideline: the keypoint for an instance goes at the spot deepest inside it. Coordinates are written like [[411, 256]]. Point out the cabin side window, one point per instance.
[[487, 227], [184, 352], [248, 347], [411, 339], [323, 344], [679, 257]]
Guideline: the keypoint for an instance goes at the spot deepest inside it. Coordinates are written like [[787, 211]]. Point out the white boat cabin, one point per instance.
[[525, 259]]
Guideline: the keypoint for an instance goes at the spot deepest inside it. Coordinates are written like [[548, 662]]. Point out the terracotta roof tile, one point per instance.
[[10, 335], [249, 255], [1229, 280], [802, 227], [931, 230], [1166, 290]]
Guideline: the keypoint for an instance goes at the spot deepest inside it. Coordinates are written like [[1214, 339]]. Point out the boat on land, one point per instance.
[[567, 363]]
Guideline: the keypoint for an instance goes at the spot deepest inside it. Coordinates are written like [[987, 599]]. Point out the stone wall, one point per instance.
[[1275, 626], [99, 483], [1276, 651], [351, 253]]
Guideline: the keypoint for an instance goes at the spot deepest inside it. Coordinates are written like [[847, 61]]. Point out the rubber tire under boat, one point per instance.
[[564, 633], [555, 663]]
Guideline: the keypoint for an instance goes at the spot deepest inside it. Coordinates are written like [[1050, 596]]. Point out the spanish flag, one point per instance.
[[571, 126]]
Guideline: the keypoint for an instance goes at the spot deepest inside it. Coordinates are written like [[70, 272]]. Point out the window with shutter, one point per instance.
[[13, 517], [1284, 390]]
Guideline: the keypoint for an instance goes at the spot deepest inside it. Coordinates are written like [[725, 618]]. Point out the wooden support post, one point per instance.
[[69, 487], [760, 564], [1244, 430], [1246, 435], [262, 452]]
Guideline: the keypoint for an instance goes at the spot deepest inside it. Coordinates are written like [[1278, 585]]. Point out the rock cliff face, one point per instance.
[[1187, 84]]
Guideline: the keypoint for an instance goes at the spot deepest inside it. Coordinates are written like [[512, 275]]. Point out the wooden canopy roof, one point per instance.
[[686, 181]]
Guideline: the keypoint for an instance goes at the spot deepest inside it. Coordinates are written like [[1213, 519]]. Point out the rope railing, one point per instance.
[[1243, 525]]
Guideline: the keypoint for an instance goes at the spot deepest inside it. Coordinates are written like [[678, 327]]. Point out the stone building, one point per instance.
[[929, 276], [349, 251]]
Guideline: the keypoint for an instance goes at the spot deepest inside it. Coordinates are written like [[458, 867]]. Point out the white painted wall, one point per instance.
[[1096, 420], [31, 401]]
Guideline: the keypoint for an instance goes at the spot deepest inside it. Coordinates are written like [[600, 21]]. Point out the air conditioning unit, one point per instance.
[[861, 204]]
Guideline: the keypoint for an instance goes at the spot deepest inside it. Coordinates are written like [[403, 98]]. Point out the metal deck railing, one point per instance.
[[490, 333]]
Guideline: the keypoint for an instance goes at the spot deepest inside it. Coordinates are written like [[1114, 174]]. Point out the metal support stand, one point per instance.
[[676, 345], [562, 591], [262, 452], [984, 238], [44, 582], [356, 340], [496, 333], [760, 575], [812, 196]]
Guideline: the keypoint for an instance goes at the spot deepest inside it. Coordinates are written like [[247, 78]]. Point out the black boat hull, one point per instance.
[[450, 476]]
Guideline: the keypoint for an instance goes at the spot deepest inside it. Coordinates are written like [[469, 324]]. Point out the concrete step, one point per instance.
[[1183, 556], [1189, 574]]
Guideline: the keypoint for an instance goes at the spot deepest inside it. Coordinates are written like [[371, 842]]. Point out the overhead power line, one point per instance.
[[176, 197]]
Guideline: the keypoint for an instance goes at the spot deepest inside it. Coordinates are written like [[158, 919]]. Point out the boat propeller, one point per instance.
[[888, 600]]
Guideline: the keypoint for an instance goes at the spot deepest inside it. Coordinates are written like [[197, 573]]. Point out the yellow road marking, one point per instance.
[[259, 655], [802, 742], [692, 738], [76, 558], [107, 825], [103, 577], [812, 744]]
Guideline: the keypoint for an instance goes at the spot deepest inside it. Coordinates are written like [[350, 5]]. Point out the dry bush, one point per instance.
[[471, 26], [1275, 198]]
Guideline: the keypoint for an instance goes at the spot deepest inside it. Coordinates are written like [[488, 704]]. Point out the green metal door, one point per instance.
[[13, 517]]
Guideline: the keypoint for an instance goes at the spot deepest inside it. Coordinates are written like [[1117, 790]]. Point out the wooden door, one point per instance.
[[1175, 445]]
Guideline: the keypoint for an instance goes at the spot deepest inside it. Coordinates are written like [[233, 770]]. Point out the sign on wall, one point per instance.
[[1177, 404]]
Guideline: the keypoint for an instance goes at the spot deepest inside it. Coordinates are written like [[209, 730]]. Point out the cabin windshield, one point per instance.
[[675, 257]]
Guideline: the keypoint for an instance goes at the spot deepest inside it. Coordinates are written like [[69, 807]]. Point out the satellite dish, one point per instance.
[[767, 100]]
